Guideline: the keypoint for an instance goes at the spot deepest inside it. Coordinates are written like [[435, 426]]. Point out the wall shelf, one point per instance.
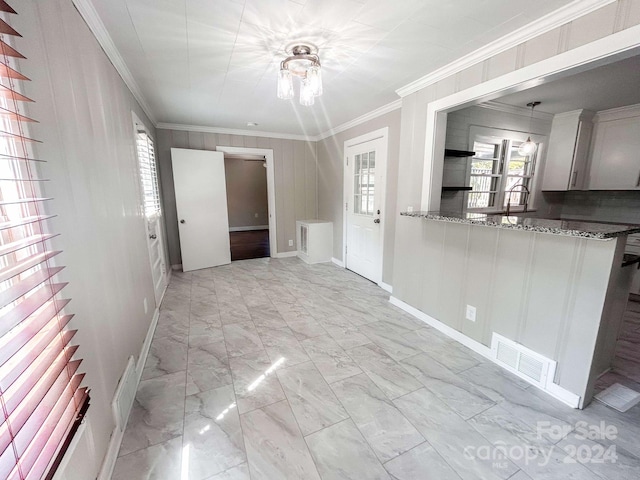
[[453, 189], [458, 153]]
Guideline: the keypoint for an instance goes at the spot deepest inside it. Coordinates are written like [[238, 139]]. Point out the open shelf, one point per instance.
[[458, 153]]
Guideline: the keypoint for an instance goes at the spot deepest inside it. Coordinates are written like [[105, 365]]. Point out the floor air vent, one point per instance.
[[125, 394], [525, 363]]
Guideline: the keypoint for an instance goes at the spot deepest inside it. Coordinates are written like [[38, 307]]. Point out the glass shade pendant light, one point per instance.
[[315, 80], [285, 85], [529, 147], [303, 62], [306, 93]]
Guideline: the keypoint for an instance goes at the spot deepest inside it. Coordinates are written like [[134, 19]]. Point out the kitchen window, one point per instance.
[[498, 174]]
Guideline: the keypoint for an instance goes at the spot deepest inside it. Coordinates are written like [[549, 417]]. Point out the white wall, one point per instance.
[[86, 126]]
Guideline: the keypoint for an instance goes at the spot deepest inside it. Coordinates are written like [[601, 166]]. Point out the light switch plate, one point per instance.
[[471, 313], [291, 243]]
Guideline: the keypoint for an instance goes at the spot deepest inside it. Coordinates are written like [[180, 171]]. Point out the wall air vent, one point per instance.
[[523, 362], [125, 394]]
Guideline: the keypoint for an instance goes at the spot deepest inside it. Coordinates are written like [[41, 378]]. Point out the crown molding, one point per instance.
[[548, 22], [512, 109], [233, 131], [92, 19], [628, 111], [389, 107]]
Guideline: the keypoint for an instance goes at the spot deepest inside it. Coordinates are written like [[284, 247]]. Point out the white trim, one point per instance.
[[378, 112], [386, 287], [286, 254], [600, 52], [548, 22], [619, 113], [109, 462], [382, 134], [93, 21], [514, 110], [271, 188], [339, 263], [233, 131], [389, 107], [553, 389], [248, 229]]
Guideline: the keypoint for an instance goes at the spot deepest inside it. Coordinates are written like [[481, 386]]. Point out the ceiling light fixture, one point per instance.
[[529, 147], [303, 61]]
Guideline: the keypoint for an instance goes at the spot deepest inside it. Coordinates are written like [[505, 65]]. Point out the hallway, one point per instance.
[[273, 369]]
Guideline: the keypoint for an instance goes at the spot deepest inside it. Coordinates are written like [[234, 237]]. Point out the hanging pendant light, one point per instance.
[[529, 147], [306, 93], [285, 85]]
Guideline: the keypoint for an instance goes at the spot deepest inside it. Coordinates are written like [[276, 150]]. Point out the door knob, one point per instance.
[[377, 220], [153, 236], [182, 221]]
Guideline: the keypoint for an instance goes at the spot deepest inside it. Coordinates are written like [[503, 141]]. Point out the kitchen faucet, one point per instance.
[[526, 198]]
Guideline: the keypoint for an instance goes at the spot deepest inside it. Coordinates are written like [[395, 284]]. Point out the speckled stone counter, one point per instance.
[[570, 228]]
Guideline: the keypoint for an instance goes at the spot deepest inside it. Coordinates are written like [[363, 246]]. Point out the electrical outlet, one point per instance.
[[146, 306], [255, 215], [471, 313], [409, 208], [291, 243]]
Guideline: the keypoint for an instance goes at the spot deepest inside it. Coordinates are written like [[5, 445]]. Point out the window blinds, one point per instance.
[[40, 388], [148, 174]]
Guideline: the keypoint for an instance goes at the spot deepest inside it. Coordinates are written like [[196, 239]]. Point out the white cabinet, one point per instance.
[[615, 154], [315, 240], [567, 153]]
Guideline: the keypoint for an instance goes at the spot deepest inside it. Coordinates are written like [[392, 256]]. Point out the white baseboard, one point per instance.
[[339, 263], [109, 462], [386, 287], [248, 229], [555, 390], [286, 254]]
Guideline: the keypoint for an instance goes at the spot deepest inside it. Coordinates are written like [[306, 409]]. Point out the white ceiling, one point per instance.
[[610, 86], [214, 62]]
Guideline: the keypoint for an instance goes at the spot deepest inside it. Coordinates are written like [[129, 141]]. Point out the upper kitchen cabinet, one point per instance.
[[567, 154], [615, 152]]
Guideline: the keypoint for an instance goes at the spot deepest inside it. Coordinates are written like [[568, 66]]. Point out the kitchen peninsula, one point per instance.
[[556, 287]]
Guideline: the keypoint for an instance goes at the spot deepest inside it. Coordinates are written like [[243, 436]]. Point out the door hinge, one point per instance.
[[347, 159], [346, 247], [346, 207]]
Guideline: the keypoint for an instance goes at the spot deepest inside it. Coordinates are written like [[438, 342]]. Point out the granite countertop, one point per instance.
[[555, 226]]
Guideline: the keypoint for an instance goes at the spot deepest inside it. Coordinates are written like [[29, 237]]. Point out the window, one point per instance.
[[364, 183], [499, 175], [148, 173], [40, 394]]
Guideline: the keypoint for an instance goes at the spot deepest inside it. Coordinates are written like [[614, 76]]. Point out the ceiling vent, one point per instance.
[[525, 363]]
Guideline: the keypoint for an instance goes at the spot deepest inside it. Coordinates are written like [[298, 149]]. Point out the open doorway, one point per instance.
[[250, 202]]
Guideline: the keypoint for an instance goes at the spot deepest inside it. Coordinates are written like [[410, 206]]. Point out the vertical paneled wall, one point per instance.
[[84, 109], [295, 179]]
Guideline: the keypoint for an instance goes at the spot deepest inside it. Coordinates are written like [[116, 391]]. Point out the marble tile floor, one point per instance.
[[275, 369]]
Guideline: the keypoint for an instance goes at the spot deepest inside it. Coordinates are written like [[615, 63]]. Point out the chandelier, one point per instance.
[[303, 61]]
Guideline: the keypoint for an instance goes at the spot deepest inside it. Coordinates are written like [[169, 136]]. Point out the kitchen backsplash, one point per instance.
[[605, 206]]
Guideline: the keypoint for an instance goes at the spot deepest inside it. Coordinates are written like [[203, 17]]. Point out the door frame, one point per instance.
[[271, 188], [380, 134], [136, 125]]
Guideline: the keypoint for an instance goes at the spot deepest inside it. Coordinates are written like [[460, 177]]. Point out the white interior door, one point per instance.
[[364, 181], [201, 202], [152, 207]]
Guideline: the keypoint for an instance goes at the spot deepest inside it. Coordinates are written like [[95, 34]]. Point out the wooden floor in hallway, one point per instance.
[[249, 244]]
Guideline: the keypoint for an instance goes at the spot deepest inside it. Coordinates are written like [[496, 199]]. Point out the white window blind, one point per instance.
[[41, 396], [148, 174]]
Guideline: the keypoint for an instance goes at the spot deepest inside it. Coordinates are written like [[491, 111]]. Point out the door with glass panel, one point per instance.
[[152, 208], [499, 175], [364, 178]]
